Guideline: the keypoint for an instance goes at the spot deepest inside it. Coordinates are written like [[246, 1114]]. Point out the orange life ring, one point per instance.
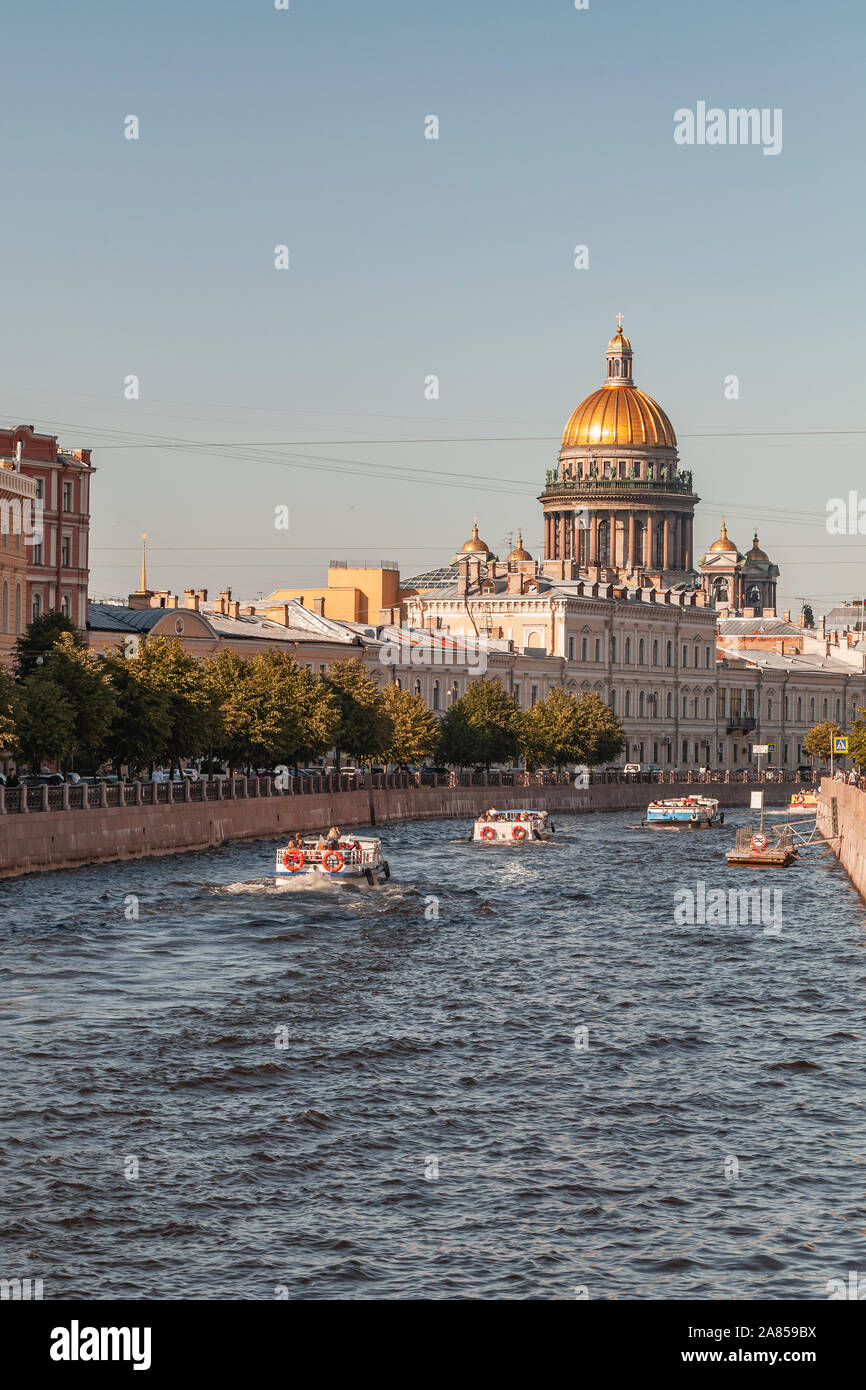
[[329, 865], [519, 832], [293, 859], [758, 843], [487, 832]]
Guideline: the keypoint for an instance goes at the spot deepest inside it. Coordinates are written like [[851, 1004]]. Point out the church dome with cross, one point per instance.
[[618, 504]]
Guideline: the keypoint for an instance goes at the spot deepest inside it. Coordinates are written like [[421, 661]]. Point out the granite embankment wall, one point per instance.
[[849, 846], [46, 840]]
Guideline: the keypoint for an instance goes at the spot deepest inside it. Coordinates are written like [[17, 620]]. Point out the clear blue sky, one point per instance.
[[410, 257]]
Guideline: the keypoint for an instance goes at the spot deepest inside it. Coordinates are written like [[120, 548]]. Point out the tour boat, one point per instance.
[[351, 859], [804, 800], [512, 827], [694, 811]]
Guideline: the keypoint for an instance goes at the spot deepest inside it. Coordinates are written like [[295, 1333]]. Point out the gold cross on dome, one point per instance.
[[619, 322]]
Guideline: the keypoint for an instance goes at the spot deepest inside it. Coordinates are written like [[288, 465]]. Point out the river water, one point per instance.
[[508, 1073]]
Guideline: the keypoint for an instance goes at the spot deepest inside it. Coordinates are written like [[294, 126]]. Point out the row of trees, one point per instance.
[[163, 706], [818, 742]]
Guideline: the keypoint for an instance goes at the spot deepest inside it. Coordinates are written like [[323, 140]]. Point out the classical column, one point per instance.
[[562, 535], [650, 540], [687, 548], [630, 558], [593, 539], [666, 542]]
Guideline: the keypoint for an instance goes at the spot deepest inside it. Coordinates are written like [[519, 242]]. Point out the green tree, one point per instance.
[[415, 730], [271, 709], [483, 726], [7, 723], [140, 734], [602, 735], [38, 639], [552, 733], [193, 713], [81, 675], [44, 721], [819, 740], [364, 729], [857, 739]]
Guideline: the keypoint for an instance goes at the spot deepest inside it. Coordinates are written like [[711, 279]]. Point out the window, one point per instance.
[[613, 649], [613, 702], [627, 703], [655, 653], [736, 753], [825, 709], [707, 708], [799, 708], [18, 608], [598, 649], [627, 657], [37, 553], [640, 705], [37, 605], [67, 497], [40, 489], [736, 703], [435, 694], [641, 653], [4, 614], [685, 655], [571, 649], [812, 709], [669, 654], [533, 695], [697, 708], [517, 694], [685, 751], [769, 706], [721, 702], [64, 552], [584, 649], [65, 606], [685, 707], [669, 705], [750, 704], [417, 690], [838, 711]]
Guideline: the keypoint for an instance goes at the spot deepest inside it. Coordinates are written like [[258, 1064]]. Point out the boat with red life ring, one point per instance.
[[513, 827], [348, 859]]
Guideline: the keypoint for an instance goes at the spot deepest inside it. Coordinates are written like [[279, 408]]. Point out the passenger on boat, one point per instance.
[[298, 841]]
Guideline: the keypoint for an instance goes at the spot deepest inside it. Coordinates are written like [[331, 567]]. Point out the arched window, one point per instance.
[[417, 687], [4, 618], [812, 708], [627, 703], [627, 657], [64, 606], [669, 705], [669, 654], [707, 707], [799, 708], [838, 711], [709, 657], [769, 706], [435, 694], [37, 605], [826, 707], [655, 653], [641, 652], [697, 708], [685, 707], [613, 649], [640, 705]]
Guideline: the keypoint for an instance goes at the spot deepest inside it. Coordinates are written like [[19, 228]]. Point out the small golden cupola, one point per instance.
[[519, 553], [475, 546], [723, 543], [756, 554]]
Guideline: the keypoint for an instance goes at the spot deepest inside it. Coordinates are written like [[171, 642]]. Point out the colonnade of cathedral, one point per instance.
[[620, 539]]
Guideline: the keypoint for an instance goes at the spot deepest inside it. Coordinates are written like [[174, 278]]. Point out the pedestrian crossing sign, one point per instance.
[[840, 745]]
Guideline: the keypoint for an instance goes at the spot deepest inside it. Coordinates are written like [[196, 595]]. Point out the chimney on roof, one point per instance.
[[319, 605], [234, 609], [202, 595], [786, 615], [249, 610], [190, 599]]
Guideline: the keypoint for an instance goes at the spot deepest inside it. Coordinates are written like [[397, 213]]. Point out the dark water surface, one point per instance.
[[412, 1038]]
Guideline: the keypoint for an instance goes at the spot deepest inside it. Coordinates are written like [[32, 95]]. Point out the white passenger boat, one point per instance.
[[698, 812], [512, 827], [350, 859]]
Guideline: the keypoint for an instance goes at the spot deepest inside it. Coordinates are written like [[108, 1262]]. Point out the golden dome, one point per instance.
[[619, 342], [756, 553], [723, 543], [618, 413], [519, 553], [474, 544]]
